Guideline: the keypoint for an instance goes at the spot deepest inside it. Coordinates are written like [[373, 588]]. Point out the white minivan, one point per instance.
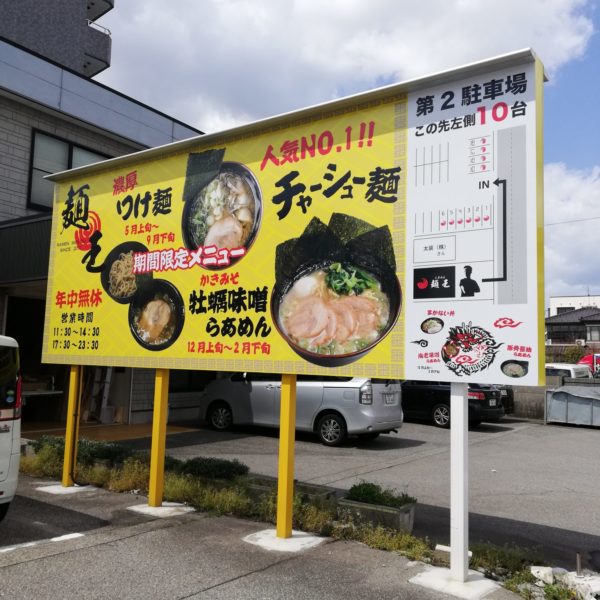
[[10, 421]]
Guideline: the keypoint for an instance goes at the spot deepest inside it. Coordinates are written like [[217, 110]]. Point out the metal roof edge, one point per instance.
[[26, 220], [97, 84], [409, 85]]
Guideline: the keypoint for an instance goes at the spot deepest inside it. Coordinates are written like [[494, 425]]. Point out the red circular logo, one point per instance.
[[82, 236]]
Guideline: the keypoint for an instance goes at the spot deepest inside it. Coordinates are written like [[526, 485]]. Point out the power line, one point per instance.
[[572, 221]]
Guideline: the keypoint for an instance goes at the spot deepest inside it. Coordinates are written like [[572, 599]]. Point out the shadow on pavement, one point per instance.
[[52, 521], [208, 436], [556, 546], [490, 428], [482, 428]]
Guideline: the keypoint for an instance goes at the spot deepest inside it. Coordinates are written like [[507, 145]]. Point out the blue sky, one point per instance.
[[219, 63], [572, 109]]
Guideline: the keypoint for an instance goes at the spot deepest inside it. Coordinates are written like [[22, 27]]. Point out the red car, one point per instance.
[[592, 361]]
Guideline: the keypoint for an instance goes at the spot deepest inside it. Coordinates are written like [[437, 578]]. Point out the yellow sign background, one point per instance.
[[99, 335]]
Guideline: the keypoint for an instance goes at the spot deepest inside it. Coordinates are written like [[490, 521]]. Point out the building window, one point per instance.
[[593, 333], [563, 309], [50, 154]]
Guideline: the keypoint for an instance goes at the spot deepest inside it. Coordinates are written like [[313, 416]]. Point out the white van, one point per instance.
[[568, 370], [10, 421]]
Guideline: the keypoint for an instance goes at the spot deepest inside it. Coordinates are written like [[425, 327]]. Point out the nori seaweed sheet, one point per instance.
[[202, 168], [376, 246], [316, 244], [345, 239], [346, 227]]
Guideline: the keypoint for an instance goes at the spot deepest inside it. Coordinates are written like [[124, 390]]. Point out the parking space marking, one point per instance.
[[60, 538]]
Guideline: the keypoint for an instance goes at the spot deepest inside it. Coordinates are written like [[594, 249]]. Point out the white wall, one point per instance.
[[574, 302]]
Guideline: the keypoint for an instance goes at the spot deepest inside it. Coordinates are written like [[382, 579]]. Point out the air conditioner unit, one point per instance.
[[580, 342]]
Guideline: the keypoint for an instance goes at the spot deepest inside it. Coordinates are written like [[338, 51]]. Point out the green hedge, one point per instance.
[[89, 451], [214, 468], [375, 494]]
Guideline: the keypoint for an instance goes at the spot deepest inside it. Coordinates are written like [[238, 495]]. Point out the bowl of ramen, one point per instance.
[[432, 325], [515, 368], [156, 314], [225, 213], [117, 277], [450, 350], [333, 313]]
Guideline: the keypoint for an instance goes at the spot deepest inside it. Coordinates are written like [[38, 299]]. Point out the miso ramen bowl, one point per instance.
[[390, 287], [156, 314], [110, 274], [212, 211]]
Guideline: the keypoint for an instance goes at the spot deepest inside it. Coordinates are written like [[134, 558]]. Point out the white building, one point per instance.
[[562, 304], [53, 116]]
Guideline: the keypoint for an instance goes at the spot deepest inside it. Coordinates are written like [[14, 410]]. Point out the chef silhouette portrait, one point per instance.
[[468, 286]]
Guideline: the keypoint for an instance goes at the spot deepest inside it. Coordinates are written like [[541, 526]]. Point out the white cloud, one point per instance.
[[570, 247], [219, 63], [245, 59]]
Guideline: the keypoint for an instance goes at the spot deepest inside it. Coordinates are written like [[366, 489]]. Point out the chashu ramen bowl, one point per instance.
[[117, 277], [226, 212], [156, 314], [334, 313]]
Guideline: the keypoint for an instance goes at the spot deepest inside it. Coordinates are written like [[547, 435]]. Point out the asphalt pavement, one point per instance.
[[103, 550], [531, 485]]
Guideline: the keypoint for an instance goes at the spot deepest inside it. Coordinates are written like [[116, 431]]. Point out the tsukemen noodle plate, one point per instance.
[[117, 276]]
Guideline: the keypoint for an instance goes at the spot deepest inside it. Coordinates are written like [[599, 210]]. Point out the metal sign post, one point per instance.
[[285, 479], [159, 437], [459, 481], [72, 429]]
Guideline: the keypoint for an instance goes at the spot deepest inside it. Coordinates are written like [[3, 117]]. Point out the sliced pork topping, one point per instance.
[[309, 319], [323, 320]]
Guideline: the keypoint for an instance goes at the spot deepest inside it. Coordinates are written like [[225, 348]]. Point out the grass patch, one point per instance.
[[47, 462], [503, 562], [133, 476], [222, 487], [523, 583], [517, 579], [97, 475], [380, 538], [375, 494], [559, 592]]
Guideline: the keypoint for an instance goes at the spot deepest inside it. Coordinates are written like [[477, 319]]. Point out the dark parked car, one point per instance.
[[508, 398], [430, 400]]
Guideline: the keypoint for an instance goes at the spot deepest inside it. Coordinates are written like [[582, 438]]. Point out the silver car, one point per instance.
[[331, 407]]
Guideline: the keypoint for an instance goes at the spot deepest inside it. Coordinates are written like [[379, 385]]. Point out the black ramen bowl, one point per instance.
[[390, 286], [113, 256], [515, 368], [186, 224], [156, 289]]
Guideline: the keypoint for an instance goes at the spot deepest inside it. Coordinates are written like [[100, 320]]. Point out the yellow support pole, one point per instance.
[[72, 430], [285, 481], [159, 437]]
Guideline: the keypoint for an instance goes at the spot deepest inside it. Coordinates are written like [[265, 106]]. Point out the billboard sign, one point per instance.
[[391, 234]]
